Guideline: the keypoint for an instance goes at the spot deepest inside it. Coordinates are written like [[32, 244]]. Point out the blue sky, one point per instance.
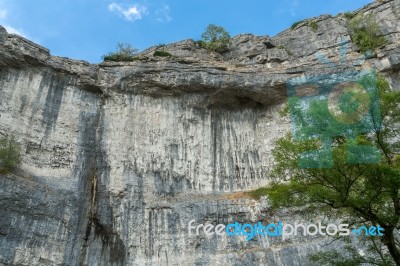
[[87, 29]]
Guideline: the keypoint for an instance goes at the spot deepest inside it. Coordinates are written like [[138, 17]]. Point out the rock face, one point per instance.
[[119, 157]]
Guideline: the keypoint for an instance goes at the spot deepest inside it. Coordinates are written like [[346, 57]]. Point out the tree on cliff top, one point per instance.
[[124, 52], [215, 38], [357, 193]]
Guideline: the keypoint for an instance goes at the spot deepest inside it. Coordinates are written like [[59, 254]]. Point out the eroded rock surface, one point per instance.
[[119, 157]]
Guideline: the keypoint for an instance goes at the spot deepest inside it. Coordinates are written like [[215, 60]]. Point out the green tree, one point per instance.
[[10, 154], [124, 52], [358, 193], [215, 38]]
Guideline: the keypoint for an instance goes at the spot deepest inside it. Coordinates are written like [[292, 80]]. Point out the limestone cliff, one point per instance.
[[119, 157]]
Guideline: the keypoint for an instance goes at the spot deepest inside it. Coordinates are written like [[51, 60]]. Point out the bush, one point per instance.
[[120, 58], [349, 15], [258, 193], [10, 154], [365, 33], [162, 53], [125, 52], [294, 25], [201, 44], [215, 38], [313, 25]]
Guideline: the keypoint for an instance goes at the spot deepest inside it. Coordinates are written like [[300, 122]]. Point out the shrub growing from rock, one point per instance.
[[365, 33], [349, 15], [297, 23], [312, 24], [10, 154]]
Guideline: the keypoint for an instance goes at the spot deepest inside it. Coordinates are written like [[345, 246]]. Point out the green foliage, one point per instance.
[[124, 53], [297, 23], [201, 44], [215, 38], [120, 58], [161, 53], [285, 48], [359, 193], [365, 33], [313, 25], [258, 193], [349, 15], [336, 258], [10, 154], [349, 256]]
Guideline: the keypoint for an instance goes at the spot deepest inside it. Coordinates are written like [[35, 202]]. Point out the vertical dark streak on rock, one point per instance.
[[85, 170], [214, 132], [100, 214], [150, 235], [93, 190], [56, 84], [36, 104], [224, 126], [91, 218]]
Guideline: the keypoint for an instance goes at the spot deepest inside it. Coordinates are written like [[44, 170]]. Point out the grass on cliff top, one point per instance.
[[124, 53], [349, 15], [312, 24], [297, 23], [120, 58]]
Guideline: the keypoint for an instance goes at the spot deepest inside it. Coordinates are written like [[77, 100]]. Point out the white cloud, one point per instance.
[[3, 13], [163, 14], [294, 4], [13, 30], [5, 8], [131, 13]]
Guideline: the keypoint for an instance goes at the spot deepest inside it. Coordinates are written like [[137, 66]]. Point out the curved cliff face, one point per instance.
[[119, 157]]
